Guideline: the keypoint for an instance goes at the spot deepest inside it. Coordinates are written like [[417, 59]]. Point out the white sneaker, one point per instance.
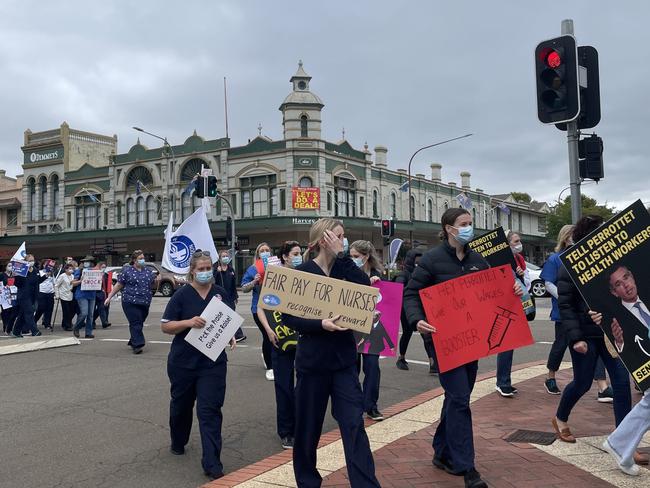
[[632, 470], [269, 375]]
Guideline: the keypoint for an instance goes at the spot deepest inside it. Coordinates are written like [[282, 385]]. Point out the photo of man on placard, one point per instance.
[[632, 311]]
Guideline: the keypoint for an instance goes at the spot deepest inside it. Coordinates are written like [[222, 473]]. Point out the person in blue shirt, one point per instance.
[[135, 281], [326, 368], [252, 281], [284, 342], [193, 376]]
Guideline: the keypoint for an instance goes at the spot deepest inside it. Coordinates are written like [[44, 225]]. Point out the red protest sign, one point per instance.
[[305, 198], [476, 315]]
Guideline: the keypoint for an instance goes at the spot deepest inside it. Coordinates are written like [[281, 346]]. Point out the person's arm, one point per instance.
[[248, 281], [526, 279], [551, 289], [270, 333], [116, 288]]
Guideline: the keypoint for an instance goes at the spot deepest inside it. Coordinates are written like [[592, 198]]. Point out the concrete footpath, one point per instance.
[[15, 345], [402, 443]]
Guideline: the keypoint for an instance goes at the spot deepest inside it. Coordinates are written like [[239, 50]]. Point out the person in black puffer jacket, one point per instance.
[[411, 261], [586, 344], [453, 441]]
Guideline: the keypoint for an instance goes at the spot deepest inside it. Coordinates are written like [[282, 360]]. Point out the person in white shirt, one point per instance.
[[623, 286], [63, 290], [45, 300]]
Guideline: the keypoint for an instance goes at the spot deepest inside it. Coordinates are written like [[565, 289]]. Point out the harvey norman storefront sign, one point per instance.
[[44, 155]]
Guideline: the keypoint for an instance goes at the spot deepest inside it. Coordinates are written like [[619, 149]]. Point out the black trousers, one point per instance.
[[44, 308], [8, 318], [67, 312]]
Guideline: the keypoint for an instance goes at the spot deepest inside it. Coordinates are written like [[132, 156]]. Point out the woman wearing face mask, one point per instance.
[[101, 310], [284, 342], [326, 367], [9, 314], [193, 376], [224, 276], [365, 257], [85, 301], [26, 299], [252, 281], [453, 442], [136, 282], [63, 290]]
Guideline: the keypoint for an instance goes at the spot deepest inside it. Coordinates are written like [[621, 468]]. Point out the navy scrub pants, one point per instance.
[[136, 315], [45, 307], [454, 438], [283, 372], [371, 379], [312, 393], [206, 386]]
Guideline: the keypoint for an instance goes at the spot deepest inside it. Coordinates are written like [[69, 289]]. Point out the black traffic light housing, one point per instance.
[[556, 74], [199, 187], [589, 89], [590, 153], [387, 228], [212, 186], [228, 229]]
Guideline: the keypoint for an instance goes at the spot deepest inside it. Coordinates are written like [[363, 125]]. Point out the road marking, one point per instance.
[[83, 339]]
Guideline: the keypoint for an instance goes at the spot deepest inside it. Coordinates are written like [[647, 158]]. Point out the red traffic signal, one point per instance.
[[387, 228]]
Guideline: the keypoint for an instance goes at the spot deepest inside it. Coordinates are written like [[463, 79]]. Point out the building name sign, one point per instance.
[[43, 156], [299, 221]]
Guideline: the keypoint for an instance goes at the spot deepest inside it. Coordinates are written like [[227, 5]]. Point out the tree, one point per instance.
[[561, 214], [521, 197]]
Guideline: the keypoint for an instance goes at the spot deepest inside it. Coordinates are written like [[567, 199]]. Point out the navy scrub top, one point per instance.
[[183, 305]]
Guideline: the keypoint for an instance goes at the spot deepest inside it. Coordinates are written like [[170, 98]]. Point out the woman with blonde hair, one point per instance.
[[326, 368], [252, 282], [365, 257]]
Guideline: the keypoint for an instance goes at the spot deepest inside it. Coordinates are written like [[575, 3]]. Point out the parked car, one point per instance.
[[537, 287], [168, 284]]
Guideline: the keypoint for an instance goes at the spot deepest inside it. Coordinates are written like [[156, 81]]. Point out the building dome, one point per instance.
[[303, 98]]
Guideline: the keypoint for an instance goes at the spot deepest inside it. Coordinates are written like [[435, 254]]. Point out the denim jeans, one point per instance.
[[504, 368], [584, 366], [85, 315], [627, 436]]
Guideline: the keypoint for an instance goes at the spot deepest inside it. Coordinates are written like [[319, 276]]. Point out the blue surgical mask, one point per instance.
[[465, 234], [346, 245], [141, 262], [225, 259], [296, 261], [203, 277], [265, 254], [358, 261]]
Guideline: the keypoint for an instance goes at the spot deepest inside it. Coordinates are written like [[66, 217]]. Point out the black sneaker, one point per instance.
[[38, 333], [505, 391], [445, 465], [402, 364], [375, 414], [75, 332], [89, 336], [240, 339], [433, 370], [17, 336], [606, 396], [473, 480], [214, 476], [106, 325], [177, 451], [551, 386], [137, 350], [287, 442], [514, 390]]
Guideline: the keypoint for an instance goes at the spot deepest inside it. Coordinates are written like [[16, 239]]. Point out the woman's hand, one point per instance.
[[257, 278], [517, 289], [332, 242], [520, 271], [195, 322], [374, 279], [581, 347], [233, 343], [330, 324], [273, 337], [425, 328], [107, 302], [597, 317]]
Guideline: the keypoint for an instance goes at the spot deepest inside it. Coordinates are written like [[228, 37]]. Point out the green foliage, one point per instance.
[[561, 214], [521, 197]]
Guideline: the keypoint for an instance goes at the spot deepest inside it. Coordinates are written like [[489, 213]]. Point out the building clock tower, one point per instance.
[[301, 110]]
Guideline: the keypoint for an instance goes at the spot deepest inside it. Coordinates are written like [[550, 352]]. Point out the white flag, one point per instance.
[[194, 233], [20, 253]]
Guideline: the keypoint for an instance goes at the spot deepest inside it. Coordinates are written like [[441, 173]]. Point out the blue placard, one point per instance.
[[20, 268]]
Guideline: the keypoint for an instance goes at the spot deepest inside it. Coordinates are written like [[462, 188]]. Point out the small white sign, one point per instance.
[[91, 279], [5, 297], [274, 261], [221, 323]]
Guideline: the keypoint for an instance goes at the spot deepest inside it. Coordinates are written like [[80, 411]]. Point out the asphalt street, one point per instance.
[[95, 415]]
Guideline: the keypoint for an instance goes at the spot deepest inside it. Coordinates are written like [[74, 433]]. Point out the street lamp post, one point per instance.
[[411, 216]]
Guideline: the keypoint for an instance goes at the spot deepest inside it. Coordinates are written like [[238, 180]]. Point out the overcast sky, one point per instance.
[[400, 74]]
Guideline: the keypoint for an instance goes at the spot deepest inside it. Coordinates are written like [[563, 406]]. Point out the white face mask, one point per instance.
[[518, 248]]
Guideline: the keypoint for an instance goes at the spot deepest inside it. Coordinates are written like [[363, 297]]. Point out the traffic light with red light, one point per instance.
[[387, 228], [556, 72]]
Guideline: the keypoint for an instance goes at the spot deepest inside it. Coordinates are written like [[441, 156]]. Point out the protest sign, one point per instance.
[[610, 268], [383, 335], [313, 296], [287, 338], [5, 297], [221, 323], [91, 279], [48, 265], [494, 247], [305, 198], [20, 268], [476, 315]]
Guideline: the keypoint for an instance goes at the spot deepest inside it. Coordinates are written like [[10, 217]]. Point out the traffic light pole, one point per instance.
[[232, 233], [573, 136]]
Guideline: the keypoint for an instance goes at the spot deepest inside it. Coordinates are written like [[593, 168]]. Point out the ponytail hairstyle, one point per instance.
[[286, 248], [449, 218], [316, 233], [365, 248], [563, 237], [259, 246]]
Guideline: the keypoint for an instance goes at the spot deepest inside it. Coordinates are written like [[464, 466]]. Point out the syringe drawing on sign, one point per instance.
[[500, 326]]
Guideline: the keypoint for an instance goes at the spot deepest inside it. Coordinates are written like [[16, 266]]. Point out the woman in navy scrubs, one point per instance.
[[284, 342], [194, 376], [326, 367]]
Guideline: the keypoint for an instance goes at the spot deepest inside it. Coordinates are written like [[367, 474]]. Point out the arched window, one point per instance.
[[192, 168], [429, 210], [141, 174], [393, 206], [305, 182], [151, 210], [346, 196], [303, 126], [412, 207], [42, 189], [55, 196], [32, 198], [118, 212], [375, 204], [130, 212], [140, 209]]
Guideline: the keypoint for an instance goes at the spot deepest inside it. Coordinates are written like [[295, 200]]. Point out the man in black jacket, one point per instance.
[[27, 297]]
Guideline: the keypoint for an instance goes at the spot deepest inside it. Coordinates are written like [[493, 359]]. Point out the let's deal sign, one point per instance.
[[312, 296]]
